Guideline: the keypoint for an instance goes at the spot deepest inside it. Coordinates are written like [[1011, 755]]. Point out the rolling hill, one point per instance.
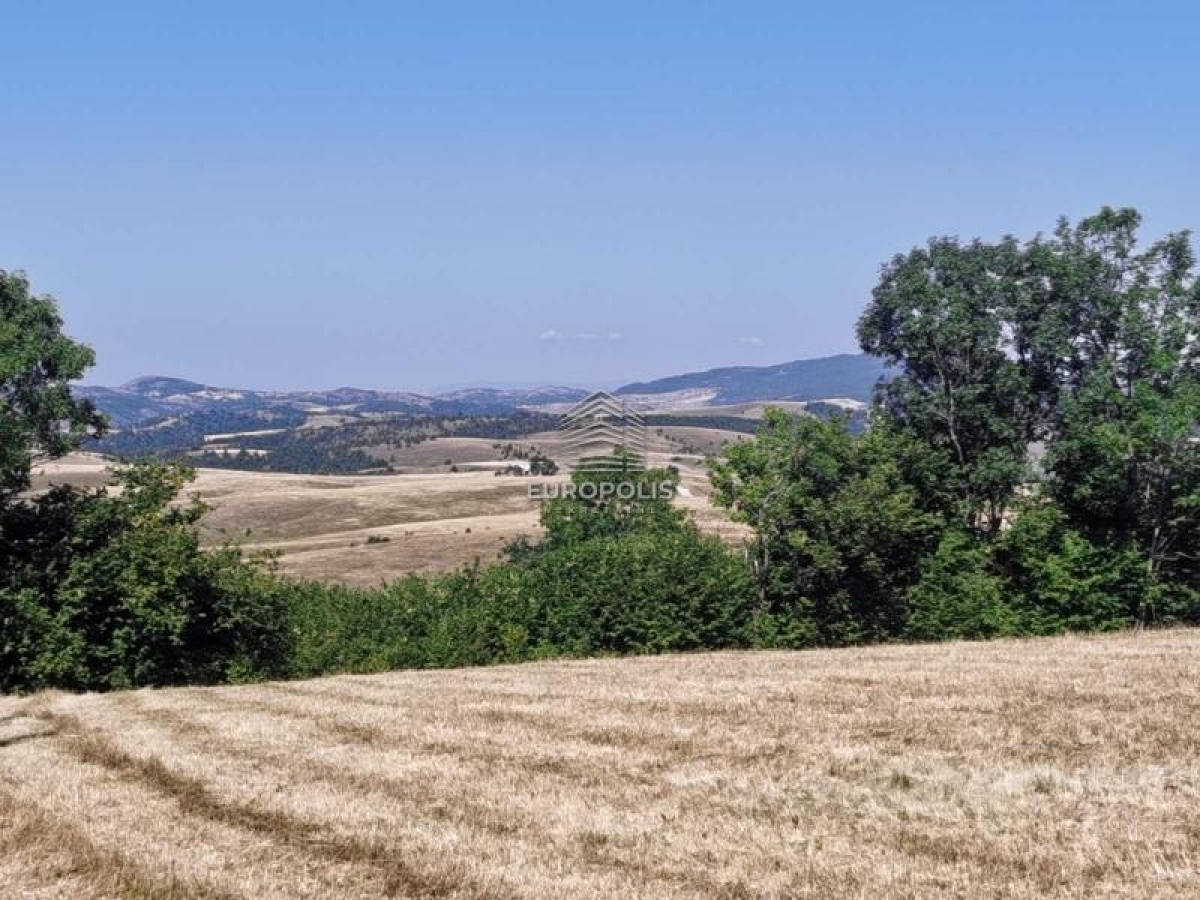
[[847, 376], [155, 397]]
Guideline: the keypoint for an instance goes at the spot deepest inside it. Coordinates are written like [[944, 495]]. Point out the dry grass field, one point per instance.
[[320, 523], [1062, 768]]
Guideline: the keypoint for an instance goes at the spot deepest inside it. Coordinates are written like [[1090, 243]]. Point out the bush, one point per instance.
[[959, 595], [1062, 581], [110, 589], [637, 593], [641, 593], [842, 524], [341, 629]]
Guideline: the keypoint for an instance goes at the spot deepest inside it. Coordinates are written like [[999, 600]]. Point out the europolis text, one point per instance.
[[603, 490]]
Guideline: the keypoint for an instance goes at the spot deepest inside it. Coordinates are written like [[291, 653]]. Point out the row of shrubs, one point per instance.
[[110, 589], [634, 593]]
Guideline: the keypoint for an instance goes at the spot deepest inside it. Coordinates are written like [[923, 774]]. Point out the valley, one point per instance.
[[363, 487], [362, 530]]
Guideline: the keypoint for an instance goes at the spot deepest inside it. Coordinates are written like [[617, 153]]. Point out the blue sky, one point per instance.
[[405, 196]]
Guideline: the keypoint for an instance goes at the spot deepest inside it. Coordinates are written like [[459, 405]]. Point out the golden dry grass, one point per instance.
[[320, 524], [1054, 768]]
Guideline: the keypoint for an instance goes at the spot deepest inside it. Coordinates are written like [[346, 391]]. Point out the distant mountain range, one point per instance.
[[150, 398], [157, 397]]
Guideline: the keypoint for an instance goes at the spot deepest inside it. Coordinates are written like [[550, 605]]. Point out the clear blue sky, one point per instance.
[[404, 196]]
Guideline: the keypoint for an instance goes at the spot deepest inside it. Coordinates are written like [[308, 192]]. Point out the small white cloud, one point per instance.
[[752, 341], [553, 334]]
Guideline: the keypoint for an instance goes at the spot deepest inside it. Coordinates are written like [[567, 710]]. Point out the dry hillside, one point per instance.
[[321, 524], [1053, 768]]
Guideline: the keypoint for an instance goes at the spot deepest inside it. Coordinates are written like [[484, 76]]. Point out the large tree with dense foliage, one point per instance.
[[1079, 342], [107, 588], [1032, 464], [1112, 334], [940, 315], [39, 418]]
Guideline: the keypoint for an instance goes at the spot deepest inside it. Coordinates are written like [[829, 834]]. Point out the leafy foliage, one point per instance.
[[643, 591], [1033, 465], [107, 588], [38, 415], [110, 589], [609, 504], [940, 313], [841, 525], [959, 595], [1115, 348]]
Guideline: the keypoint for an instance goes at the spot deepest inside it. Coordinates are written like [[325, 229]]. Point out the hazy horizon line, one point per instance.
[[433, 390]]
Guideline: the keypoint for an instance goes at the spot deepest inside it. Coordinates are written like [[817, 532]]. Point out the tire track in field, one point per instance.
[[26, 827], [464, 811], [461, 809], [622, 737], [348, 731], [194, 798]]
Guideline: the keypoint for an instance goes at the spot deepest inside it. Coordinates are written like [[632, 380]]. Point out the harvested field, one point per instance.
[[320, 524], [1052, 768]]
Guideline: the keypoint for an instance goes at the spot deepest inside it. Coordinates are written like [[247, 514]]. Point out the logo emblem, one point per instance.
[[603, 434]]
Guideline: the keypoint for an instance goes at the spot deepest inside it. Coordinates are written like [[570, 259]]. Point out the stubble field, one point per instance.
[[1052, 768]]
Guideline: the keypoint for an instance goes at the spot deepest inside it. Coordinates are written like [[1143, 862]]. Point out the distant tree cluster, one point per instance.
[[301, 451], [172, 437], [331, 450], [739, 424]]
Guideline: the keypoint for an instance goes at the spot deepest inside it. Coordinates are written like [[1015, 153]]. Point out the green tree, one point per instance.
[[1111, 337], [1059, 579], [1078, 350], [38, 416], [609, 502], [1080, 342], [841, 524], [959, 594], [111, 589], [941, 316], [641, 592]]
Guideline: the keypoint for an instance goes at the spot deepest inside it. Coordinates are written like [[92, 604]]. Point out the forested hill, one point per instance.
[[154, 398], [852, 376]]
